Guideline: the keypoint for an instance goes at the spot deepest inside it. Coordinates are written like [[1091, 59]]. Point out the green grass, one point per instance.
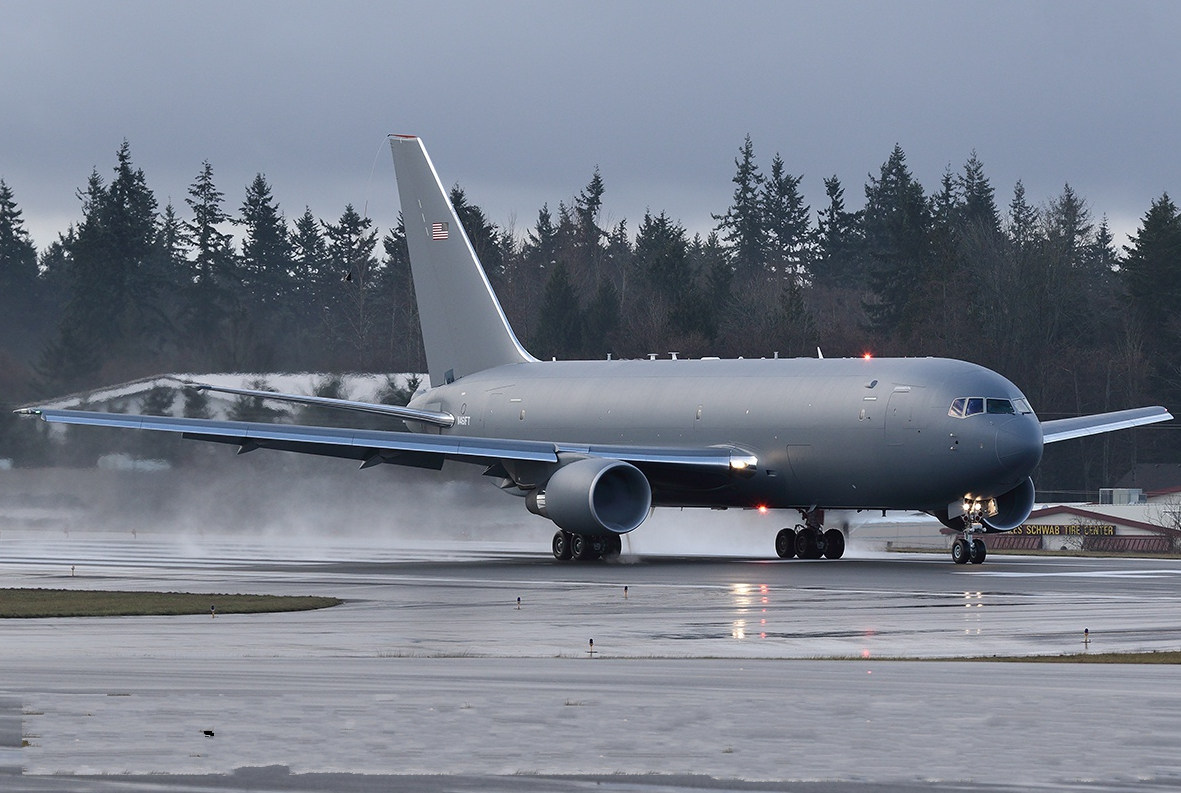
[[34, 603]]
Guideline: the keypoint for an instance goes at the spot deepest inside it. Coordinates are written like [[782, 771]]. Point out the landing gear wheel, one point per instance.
[[785, 543], [834, 544], [561, 546], [960, 551], [614, 546], [977, 551], [809, 544], [582, 548]]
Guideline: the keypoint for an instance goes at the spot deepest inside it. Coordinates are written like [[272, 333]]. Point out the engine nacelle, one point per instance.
[[594, 497], [1012, 508]]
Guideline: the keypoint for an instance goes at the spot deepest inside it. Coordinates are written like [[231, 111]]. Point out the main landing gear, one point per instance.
[[810, 540], [568, 546]]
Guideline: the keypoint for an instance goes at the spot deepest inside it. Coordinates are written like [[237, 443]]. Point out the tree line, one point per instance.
[[1041, 293]]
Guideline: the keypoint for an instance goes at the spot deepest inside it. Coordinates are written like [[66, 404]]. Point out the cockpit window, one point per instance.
[[963, 407], [1000, 406]]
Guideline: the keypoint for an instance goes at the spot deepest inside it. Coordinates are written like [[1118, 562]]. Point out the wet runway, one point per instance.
[[708, 666]]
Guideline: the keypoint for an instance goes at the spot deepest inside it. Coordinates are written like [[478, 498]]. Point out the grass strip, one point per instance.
[[40, 603]]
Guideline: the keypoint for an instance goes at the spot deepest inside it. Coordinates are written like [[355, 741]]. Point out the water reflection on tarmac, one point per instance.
[[707, 666]]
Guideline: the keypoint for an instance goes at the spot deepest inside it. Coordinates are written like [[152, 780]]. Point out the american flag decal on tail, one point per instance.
[[438, 231]]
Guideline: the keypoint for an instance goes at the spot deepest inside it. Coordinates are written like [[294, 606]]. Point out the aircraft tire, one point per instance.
[[978, 551], [614, 547], [960, 552], [582, 548], [807, 544], [834, 544], [561, 546], [785, 543]]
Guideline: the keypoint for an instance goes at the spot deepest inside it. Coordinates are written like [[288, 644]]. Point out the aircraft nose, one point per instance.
[[1019, 444]]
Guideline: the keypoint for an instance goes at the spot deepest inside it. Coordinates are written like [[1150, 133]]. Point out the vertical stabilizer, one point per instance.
[[464, 329]]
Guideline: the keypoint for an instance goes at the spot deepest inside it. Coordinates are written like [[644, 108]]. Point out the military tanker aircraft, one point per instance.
[[594, 446]]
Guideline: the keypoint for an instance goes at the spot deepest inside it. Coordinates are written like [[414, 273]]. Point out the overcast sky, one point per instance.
[[519, 101]]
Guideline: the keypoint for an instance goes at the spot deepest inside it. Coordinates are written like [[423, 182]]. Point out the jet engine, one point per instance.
[[594, 497], [1012, 508]]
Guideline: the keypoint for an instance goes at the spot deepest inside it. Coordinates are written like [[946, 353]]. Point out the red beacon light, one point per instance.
[[867, 356]]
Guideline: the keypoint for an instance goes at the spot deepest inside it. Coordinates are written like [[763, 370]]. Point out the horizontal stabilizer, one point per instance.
[[1081, 426]]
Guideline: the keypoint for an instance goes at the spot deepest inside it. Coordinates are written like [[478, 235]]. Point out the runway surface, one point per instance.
[[708, 669]]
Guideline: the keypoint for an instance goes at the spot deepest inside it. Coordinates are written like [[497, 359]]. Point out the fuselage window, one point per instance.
[[957, 408], [1000, 406], [974, 407]]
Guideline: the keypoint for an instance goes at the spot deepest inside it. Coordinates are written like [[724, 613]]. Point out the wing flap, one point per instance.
[[1082, 426]]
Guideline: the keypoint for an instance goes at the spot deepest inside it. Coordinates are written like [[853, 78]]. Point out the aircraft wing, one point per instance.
[[1081, 426], [433, 417], [403, 448]]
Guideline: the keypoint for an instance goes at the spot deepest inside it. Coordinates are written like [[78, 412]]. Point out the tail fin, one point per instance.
[[464, 329]]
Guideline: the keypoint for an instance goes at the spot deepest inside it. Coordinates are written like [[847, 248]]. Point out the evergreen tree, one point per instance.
[[20, 292], [212, 299], [1023, 220], [559, 322], [662, 256], [266, 251], [396, 300], [583, 249], [309, 260], [110, 303], [897, 229], [790, 241], [715, 275], [840, 257], [741, 227], [1067, 223], [978, 198], [1151, 272], [587, 207], [600, 321], [541, 244], [350, 245]]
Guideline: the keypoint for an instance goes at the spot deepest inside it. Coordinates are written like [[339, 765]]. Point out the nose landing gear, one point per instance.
[[968, 548]]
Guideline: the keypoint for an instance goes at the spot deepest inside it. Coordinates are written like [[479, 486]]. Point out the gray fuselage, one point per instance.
[[837, 433]]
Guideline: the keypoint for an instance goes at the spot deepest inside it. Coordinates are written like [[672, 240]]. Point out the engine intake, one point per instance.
[[1012, 508], [594, 497]]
